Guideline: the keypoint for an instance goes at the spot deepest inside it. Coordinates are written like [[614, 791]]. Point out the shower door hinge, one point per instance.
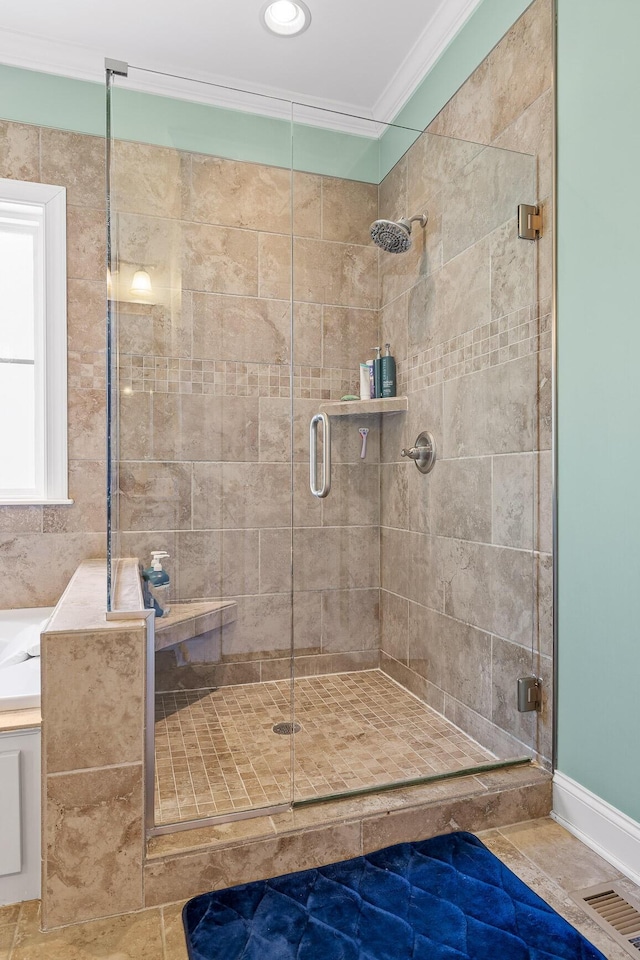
[[529, 694], [529, 221]]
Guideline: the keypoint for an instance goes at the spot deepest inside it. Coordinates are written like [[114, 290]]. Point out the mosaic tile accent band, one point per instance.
[[518, 335], [216, 751]]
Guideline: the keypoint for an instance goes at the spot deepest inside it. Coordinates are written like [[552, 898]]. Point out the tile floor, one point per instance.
[[216, 751], [540, 852]]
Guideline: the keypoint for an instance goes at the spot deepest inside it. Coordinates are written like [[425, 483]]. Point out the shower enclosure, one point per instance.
[[323, 646]]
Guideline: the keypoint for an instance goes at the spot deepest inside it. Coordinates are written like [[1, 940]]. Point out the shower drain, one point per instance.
[[287, 728]]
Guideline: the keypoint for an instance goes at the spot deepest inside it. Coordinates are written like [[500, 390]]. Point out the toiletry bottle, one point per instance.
[[377, 373], [388, 374], [365, 385], [158, 582]]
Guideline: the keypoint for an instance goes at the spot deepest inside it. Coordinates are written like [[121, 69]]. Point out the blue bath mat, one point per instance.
[[446, 898]]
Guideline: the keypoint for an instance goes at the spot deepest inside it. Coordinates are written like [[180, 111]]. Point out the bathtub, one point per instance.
[[20, 682]]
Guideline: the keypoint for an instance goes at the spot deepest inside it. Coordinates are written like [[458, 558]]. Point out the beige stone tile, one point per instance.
[[15, 519], [468, 114], [9, 914], [394, 495], [348, 336], [545, 403], [460, 499], [274, 266], [87, 419], [275, 561], [256, 496], [400, 272], [237, 194], [467, 813], [175, 945], [86, 312], [77, 162], [159, 329], [393, 326], [563, 858], [513, 503], [24, 556], [168, 880], [307, 333], [394, 626], [207, 496], [410, 566], [99, 720], [216, 564], [520, 65], [87, 480], [348, 209], [219, 259], [434, 161], [86, 243], [202, 838], [393, 197], [262, 627], [489, 587], [275, 429], [532, 132], [332, 558], [241, 328], [491, 411], [7, 934], [19, 151], [498, 741], [544, 606], [94, 844], [354, 497], [350, 620], [452, 655], [513, 274], [155, 244], [155, 496], [134, 936], [335, 273], [307, 205], [147, 179], [483, 196]]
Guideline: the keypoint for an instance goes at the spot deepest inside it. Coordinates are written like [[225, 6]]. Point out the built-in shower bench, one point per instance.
[[192, 618]]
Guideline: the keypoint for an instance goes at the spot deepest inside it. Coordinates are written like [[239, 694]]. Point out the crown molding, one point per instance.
[[83, 63], [448, 19]]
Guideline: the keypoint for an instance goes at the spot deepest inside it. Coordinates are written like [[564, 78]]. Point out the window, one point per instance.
[[33, 343]]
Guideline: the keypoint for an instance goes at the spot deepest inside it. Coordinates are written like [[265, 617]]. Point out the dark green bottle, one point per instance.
[[388, 374]]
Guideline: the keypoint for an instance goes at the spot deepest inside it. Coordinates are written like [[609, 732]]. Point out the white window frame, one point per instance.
[[51, 345]]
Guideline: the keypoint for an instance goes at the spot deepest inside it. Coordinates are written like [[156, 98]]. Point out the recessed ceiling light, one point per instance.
[[286, 18]]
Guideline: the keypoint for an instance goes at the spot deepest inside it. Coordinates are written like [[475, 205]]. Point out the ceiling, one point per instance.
[[362, 57]]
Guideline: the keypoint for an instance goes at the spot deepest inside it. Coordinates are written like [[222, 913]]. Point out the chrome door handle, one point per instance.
[[325, 487]]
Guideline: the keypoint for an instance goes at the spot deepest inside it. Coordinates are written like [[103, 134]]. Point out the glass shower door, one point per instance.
[[200, 214]]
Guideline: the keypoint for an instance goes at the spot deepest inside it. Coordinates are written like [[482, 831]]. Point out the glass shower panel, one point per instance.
[[200, 224], [414, 594]]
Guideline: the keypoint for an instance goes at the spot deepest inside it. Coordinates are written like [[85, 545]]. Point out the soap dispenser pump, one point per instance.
[[377, 373], [157, 580]]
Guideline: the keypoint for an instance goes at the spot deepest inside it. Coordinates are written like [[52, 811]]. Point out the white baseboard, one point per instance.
[[608, 831]]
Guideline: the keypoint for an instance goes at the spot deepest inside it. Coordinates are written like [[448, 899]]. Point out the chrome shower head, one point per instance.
[[394, 236]]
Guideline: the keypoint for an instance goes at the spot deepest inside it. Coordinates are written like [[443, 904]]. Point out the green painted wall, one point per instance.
[[599, 398]]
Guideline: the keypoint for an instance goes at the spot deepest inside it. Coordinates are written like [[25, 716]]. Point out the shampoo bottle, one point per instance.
[[157, 580], [388, 374], [377, 373]]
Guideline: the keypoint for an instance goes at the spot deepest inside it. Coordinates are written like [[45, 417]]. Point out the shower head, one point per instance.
[[394, 236]]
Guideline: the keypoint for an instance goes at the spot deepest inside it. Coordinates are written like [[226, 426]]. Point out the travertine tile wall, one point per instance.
[[40, 547], [466, 551], [205, 416]]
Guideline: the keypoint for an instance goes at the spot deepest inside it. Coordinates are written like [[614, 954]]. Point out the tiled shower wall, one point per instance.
[[466, 551], [40, 547], [205, 417]]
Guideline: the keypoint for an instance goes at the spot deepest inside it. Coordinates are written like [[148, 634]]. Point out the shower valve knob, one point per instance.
[[423, 453]]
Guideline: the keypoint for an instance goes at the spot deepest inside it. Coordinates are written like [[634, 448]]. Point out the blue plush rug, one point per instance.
[[441, 899]]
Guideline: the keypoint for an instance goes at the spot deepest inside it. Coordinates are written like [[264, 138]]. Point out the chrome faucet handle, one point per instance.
[[423, 453]]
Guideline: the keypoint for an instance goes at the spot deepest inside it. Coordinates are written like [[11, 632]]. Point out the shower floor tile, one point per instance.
[[216, 752]]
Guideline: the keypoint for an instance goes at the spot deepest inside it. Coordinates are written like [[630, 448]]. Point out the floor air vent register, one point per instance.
[[606, 905]]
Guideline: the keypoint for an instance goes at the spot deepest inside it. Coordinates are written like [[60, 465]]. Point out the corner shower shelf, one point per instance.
[[192, 618], [346, 408]]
